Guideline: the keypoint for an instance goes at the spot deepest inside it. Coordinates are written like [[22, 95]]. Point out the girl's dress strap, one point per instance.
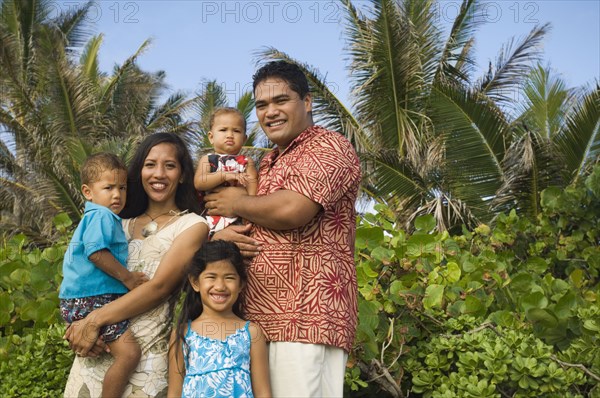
[[189, 329]]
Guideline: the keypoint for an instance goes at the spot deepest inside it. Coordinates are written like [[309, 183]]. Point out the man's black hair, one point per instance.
[[286, 71]]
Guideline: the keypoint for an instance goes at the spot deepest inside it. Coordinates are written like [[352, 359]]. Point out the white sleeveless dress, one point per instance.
[[152, 329]]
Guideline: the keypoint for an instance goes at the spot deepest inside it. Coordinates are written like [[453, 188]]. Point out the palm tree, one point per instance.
[[55, 110], [556, 140], [433, 139]]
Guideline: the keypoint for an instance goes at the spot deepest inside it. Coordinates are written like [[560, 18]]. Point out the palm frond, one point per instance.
[[546, 102], [245, 104], [579, 140], [455, 60], [530, 165], [513, 65], [122, 71], [390, 177], [89, 59], [474, 132]]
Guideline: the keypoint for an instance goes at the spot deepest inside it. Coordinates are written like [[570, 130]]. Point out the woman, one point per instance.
[[164, 232]]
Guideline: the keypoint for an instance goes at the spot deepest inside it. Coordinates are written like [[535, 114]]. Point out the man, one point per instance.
[[302, 283]]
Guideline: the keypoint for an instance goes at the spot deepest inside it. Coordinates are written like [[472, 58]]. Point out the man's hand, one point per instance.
[[237, 234], [221, 201]]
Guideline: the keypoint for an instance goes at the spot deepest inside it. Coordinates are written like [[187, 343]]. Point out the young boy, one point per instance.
[[226, 166], [94, 266]]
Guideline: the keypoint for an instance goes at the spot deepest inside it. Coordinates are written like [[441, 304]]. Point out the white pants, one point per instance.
[[306, 370]]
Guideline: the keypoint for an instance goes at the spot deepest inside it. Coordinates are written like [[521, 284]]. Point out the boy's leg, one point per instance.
[[306, 370], [127, 353]]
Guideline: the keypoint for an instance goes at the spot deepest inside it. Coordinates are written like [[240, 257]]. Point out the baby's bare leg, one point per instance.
[[127, 353]]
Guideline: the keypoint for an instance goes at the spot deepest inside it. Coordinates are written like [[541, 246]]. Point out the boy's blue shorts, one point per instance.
[[76, 309]]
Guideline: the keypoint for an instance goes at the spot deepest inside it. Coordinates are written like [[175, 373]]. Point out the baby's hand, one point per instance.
[[135, 279], [242, 179], [231, 177]]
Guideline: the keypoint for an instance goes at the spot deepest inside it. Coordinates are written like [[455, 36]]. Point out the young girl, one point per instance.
[[226, 166], [213, 351]]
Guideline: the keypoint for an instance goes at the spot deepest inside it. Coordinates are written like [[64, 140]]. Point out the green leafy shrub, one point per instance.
[[34, 359], [29, 281], [508, 311], [36, 364]]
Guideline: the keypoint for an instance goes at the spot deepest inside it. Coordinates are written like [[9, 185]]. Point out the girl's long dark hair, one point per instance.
[[210, 252], [186, 197]]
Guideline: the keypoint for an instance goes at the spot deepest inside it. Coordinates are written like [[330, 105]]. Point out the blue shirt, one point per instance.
[[99, 229]]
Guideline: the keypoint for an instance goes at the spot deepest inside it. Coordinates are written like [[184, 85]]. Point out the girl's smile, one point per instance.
[[219, 286]]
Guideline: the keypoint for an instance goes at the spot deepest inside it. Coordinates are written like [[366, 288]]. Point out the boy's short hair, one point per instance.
[[98, 163], [286, 71], [223, 111]]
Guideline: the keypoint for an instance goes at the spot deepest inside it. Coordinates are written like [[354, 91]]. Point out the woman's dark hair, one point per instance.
[[286, 71], [186, 197], [210, 252]]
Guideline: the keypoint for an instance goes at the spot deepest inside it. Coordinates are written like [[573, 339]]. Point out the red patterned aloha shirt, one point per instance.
[[302, 286]]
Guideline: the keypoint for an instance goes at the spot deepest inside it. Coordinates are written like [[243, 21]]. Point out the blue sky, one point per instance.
[[195, 41]]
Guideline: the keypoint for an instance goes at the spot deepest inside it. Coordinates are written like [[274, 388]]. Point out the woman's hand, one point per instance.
[[83, 337]]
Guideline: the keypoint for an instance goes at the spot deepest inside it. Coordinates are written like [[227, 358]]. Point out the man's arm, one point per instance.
[[280, 210]]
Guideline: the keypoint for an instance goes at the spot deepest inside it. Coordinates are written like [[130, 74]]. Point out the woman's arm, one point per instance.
[[259, 363], [83, 334], [176, 367]]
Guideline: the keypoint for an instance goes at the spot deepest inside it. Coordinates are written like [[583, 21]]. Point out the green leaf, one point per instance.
[[425, 223], [382, 254], [522, 282], [473, 306], [502, 318], [369, 238], [559, 286], [468, 266], [46, 311], [62, 221], [368, 317], [453, 272], [550, 198], [396, 287], [542, 316], [592, 325], [366, 268], [534, 300], [434, 295], [6, 308], [577, 277], [537, 265], [565, 306], [419, 245], [457, 308]]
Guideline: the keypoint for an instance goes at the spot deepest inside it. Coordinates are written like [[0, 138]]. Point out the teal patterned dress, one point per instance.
[[217, 368]]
